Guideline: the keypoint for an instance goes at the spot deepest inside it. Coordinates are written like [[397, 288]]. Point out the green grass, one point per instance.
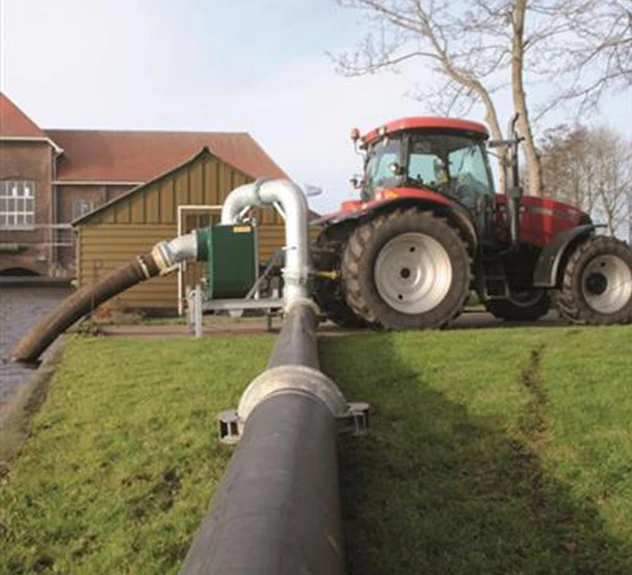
[[504, 451], [491, 452]]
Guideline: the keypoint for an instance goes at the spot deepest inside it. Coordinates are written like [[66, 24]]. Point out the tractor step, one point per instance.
[[496, 288], [495, 282]]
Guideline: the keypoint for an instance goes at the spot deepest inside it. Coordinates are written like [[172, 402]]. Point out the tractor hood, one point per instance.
[[541, 219]]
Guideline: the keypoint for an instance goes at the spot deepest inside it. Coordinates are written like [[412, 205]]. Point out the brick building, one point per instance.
[[48, 178]]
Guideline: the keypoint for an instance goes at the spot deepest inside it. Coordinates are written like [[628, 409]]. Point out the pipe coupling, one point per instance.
[[179, 249], [303, 301], [162, 257], [292, 379]]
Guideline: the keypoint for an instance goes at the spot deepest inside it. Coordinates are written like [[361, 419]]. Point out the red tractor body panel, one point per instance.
[[541, 219], [355, 209]]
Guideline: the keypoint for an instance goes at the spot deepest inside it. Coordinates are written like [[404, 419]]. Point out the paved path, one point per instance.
[[222, 327]]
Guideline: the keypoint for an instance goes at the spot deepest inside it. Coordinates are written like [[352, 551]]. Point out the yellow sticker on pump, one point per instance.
[[242, 229]]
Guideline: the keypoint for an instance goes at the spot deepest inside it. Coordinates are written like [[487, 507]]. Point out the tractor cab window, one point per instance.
[[382, 166], [452, 165]]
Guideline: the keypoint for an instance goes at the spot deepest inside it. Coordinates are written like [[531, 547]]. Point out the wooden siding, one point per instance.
[[134, 223], [105, 247], [205, 180]]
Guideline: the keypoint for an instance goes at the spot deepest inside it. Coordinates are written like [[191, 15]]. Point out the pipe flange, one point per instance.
[[303, 301], [288, 379]]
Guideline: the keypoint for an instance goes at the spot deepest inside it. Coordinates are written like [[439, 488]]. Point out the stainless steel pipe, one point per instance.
[[294, 204]]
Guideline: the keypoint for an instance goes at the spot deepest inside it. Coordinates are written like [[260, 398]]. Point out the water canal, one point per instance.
[[20, 307]]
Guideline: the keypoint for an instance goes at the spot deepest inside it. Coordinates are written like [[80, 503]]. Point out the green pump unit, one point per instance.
[[230, 252]]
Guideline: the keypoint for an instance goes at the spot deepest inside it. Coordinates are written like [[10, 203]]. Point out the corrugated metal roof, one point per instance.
[[102, 155], [14, 123]]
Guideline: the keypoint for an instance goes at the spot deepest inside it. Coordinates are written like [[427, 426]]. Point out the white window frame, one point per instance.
[[87, 205], [182, 210], [17, 205]]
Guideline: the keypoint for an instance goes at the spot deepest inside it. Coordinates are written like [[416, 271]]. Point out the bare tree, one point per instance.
[[409, 30], [596, 56], [568, 172], [478, 48], [591, 169]]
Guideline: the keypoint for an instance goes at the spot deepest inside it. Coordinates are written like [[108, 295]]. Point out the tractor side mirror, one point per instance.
[[355, 182]]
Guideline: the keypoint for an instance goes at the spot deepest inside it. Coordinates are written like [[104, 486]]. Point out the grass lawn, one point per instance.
[[500, 451]]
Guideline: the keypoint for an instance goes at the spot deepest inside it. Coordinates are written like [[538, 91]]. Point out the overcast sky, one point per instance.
[[249, 65]]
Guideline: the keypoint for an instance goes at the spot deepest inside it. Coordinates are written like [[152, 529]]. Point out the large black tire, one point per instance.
[[527, 306], [596, 286], [328, 293], [433, 274]]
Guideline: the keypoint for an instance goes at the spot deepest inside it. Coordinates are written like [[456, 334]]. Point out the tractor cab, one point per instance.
[[444, 156]]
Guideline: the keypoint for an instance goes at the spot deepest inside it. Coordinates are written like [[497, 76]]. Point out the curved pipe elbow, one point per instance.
[[294, 204], [261, 193]]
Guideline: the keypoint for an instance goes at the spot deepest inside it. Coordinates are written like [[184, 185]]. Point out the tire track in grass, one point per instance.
[[534, 424], [533, 433]]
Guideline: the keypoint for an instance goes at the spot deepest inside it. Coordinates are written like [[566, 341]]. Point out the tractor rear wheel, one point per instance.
[[597, 283], [328, 293], [406, 270], [527, 305]]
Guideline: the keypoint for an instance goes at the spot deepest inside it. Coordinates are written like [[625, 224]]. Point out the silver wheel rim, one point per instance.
[[607, 284], [413, 273]]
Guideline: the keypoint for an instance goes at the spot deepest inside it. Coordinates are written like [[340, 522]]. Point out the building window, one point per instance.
[[81, 207], [17, 204]]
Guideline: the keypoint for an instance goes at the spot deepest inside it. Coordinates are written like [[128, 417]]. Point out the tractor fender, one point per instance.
[[455, 213], [548, 266]]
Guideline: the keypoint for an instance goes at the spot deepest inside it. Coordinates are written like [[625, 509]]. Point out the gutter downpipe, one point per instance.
[[277, 508]]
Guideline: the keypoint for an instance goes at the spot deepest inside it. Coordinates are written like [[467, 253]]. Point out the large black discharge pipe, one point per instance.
[[277, 508]]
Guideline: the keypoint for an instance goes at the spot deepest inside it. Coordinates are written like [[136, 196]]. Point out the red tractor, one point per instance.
[[428, 229]]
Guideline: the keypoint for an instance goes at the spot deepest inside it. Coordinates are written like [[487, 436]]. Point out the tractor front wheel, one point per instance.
[[527, 305], [597, 283], [406, 270]]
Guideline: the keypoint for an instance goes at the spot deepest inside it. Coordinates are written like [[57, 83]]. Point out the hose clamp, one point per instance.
[[143, 267]]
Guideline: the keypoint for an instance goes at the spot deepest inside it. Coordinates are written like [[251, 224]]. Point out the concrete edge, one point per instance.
[[14, 426]]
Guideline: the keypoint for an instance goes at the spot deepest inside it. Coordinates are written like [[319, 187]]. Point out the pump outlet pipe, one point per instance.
[[277, 509], [290, 197]]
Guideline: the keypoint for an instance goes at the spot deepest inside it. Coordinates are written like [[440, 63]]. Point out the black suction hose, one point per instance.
[[82, 302]]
